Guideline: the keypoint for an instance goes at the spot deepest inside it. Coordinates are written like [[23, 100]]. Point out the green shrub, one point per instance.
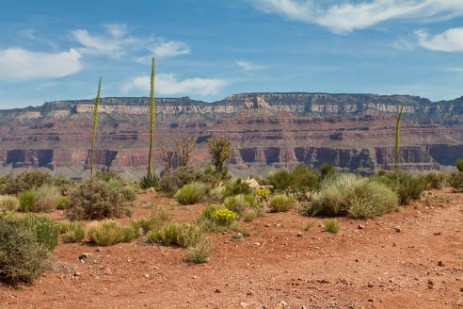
[[263, 192], [281, 203], [249, 215], [223, 217], [64, 184], [435, 180], [108, 176], [406, 186], [149, 181], [28, 200], [24, 181], [181, 176], [45, 229], [236, 186], [63, 203], [71, 232], [347, 195], [456, 181], [49, 198], [157, 219], [239, 203], [332, 226], [22, 257], [96, 200], [459, 165], [184, 235], [207, 212], [326, 170], [191, 193], [9, 202], [110, 232], [300, 179], [198, 254]]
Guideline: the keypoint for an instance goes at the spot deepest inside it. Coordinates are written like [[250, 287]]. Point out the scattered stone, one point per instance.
[[146, 275], [195, 277], [77, 274], [441, 264], [267, 225], [360, 227], [218, 291], [437, 233], [83, 257], [99, 250], [249, 293], [108, 271], [300, 234], [244, 304], [257, 244], [430, 284], [397, 229], [370, 285]]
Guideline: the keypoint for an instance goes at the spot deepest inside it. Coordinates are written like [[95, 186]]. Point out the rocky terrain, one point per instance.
[[355, 132]]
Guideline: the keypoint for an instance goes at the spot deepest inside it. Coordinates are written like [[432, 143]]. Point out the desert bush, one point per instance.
[[216, 194], [456, 181], [326, 170], [24, 181], [191, 193], [263, 192], [249, 215], [223, 217], [435, 180], [348, 195], [22, 257], [332, 226], [236, 186], [405, 185], [9, 202], [28, 200], [181, 176], [198, 254], [71, 232], [300, 179], [45, 229], [95, 200], [239, 203], [63, 203], [110, 232], [149, 181], [158, 218], [281, 203], [207, 212], [184, 235], [459, 165], [64, 184], [107, 176], [48, 198]]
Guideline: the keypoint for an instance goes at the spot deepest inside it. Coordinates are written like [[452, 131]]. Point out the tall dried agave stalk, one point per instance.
[[397, 137], [152, 105], [95, 123]]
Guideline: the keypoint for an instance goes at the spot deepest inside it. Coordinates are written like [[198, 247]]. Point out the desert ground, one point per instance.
[[412, 258]]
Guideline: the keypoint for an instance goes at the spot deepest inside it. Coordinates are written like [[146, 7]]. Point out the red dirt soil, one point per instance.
[[408, 259]]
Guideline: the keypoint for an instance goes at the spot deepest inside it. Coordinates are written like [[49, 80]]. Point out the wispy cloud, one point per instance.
[[168, 84], [450, 40], [17, 64], [248, 66], [350, 16], [117, 41]]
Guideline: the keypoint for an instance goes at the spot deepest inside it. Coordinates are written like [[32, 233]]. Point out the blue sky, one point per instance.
[[209, 49]]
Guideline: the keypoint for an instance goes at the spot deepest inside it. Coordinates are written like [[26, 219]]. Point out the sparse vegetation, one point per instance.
[[220, 149], [110, 232], [95, 123], [456, 181], [45, 229], [239, 203], [95, 200], [9, 202], [299, 180], [22, 257], [71, 232], [28, 200], [149, 181], [223, 217], [435, 180], [281, 203], [183, 235], [199, 254], [191, 193], [332, 226], [459, 165]]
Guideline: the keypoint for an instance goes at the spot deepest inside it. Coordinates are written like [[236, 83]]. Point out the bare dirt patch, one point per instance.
[[409, 259]]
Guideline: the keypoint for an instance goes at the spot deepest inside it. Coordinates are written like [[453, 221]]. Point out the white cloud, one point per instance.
[[170, 49], [450, 40], [248, 65], [168, 84], [350, 16], [18, 64], [117, 41]]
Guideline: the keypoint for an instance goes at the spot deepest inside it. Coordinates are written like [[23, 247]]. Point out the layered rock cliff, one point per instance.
[[353, 131]]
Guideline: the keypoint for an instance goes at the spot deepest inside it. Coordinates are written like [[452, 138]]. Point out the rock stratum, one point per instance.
[[355, 132]]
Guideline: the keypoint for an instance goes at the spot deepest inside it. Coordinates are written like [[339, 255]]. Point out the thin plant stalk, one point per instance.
[[152, 106], [95, 123], [397, 137]]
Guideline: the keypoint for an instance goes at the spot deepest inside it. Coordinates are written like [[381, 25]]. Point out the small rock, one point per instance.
[[194, 277], [77, 274], [370, 285], [398, 229], [437, 233], [430, 284], [257, 244], [146, 275], [249, 293], [108, 271], [84, 256], [99, 250], [218, 291], [299, 234], [441, 264], [244, 304], [360, 227], [267, 225], [278, 225]]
